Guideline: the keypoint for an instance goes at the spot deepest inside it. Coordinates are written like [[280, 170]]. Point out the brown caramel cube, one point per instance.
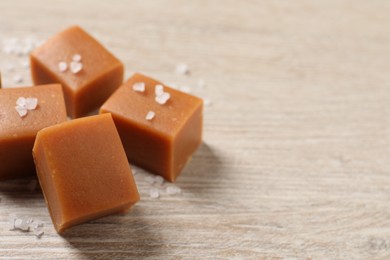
[[86, 70], [19, 124], [83, 171], [160, 127]]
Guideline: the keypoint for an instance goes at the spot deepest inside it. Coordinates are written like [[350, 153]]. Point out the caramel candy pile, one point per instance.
[[83, 164]]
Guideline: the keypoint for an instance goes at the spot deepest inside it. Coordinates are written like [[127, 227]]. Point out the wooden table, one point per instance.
[[295, 161]]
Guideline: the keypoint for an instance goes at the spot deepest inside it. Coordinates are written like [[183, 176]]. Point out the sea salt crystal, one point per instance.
[[159, 180], [76, 57], [182, 68], [22, 224], [31, 103], [76, 67], [163, 98], [159, 89], [150, 115], [173, 190], [154, 193], [139, 86], [22, 111], [38, 229], [62, 66], [21, 101]]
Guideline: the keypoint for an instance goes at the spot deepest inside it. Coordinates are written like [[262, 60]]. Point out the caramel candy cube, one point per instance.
[[23, 112], [160, 127], [83, 171], [86, 70]]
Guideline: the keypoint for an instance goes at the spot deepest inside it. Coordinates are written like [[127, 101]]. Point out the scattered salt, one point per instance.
[[173, 190], [154, 193], [22, 224], [31, 103], [24, 104], [149, 179], [76, 57], [150, 115], [163, 98], [139, 86], [159, 90], [38, 229], [76, 67], [21, 101], [159, 180], [22, 111], [18, 79], [62, 66], [182, 68]]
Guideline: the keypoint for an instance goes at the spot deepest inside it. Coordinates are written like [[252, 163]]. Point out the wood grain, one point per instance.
[[295, 161]]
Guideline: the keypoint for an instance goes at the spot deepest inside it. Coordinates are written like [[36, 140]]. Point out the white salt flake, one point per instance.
[[38, 229], [76, 57], [159, 180], [163, 98], [182, 68], [159, 89], [22, 224], [18, 79], [173, 190], [139, 86], [76, 67], [150, 115], [62, 66], [154, 193], [31, 103], [21, 101], [22, 111]]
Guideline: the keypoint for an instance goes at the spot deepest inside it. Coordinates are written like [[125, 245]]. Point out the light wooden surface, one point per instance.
[[295, 161]]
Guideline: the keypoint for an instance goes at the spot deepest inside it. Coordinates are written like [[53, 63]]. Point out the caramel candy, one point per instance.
[[87, 71], [160, 127], [83, 171], [23, 112]]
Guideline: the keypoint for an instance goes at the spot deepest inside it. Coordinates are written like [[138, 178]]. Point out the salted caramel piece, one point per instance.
[[88, 72], [83, 171], [23, 112], [160, 127]]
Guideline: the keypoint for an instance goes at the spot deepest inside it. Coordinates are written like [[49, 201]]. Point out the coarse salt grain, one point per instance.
[[149, 179], [150, 115], [62, 66], [159, 180], [154, 193], [21, 101], [173, 190], [22, 111], [31, 103], [159, 89], [163, 98], [76, 57], [76, 67], [182, 68], [139, 86]]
